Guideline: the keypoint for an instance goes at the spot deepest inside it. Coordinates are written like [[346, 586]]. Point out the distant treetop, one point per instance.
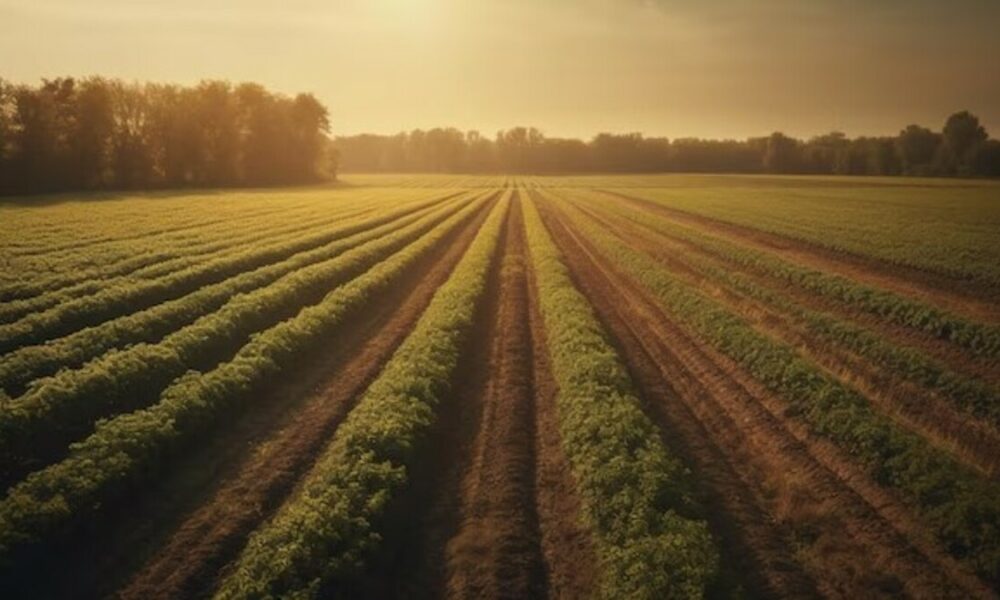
[[963, 148]]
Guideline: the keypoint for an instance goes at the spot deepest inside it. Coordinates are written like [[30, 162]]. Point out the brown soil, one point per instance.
[[249, 490], [493, 511], [495, 551], [933, 288], [971, 441], [854, 538]]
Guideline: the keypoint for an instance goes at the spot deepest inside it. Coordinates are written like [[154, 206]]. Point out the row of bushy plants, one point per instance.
[[128, 296], [36, 425], [329, 528], [57, 262], [636, 495], [149, 245], [959, 505], [24, 365], [129, 451], [979, 338], [191, 251], [55, 267], [966, 393]]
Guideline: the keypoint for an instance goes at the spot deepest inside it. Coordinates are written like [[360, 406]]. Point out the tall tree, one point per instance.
[[92, 133], [962, 136], [917, 147]]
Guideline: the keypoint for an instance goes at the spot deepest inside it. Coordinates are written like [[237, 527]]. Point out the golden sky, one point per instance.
[[714, 68]]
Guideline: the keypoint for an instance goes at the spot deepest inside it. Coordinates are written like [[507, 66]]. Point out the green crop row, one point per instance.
[[130, 449], [150, 253], [950, 230], [59, 266], [31, 362], [55, 237], [631, 486], [327, 530], [48, 417], [127, 297], [980, 339], [194, 252], [958, 504], [117, 236], [966, 393]]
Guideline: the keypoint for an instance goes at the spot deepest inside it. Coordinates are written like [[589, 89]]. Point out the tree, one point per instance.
[[828, 153], [781, 154], [880, 156], [986, 159], [130, 140], [917, 146], [8, 106], [962, 136], [91, 137], [309, 125], [516, 146]]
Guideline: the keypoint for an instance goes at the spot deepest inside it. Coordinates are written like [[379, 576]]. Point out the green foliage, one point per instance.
[[113, 301], [981, 339], [635, 494], [125, 379], [937, 226], [959, 505], [129, 448], [326, 531], [29, 363], [969, 394], [227, 239]]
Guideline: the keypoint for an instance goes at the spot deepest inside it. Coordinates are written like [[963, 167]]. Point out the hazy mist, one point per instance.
[[673, 68]]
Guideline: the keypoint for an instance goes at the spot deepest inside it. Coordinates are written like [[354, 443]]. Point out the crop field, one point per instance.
[[429, 386]]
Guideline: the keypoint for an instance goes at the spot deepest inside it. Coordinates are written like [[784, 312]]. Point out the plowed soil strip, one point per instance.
[[854, 537], [974, 442], [495, 553], [190, 560], [935, 289]]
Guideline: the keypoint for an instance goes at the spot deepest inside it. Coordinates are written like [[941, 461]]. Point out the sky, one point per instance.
[[675, 68]]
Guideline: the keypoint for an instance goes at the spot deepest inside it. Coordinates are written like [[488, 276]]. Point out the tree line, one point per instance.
[[97, 133], [961, 148]]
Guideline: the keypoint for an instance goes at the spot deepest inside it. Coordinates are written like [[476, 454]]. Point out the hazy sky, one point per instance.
[[571, 67]]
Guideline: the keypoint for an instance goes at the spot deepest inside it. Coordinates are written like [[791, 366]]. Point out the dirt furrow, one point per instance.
[[495, 552], [188, 562], [933, 288], [969, 440], [852, 535]]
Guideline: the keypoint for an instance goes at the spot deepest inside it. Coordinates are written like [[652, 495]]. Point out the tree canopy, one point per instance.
[[97, 133]]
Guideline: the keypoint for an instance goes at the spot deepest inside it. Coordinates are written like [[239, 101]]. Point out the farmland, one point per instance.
[[647, 386]]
